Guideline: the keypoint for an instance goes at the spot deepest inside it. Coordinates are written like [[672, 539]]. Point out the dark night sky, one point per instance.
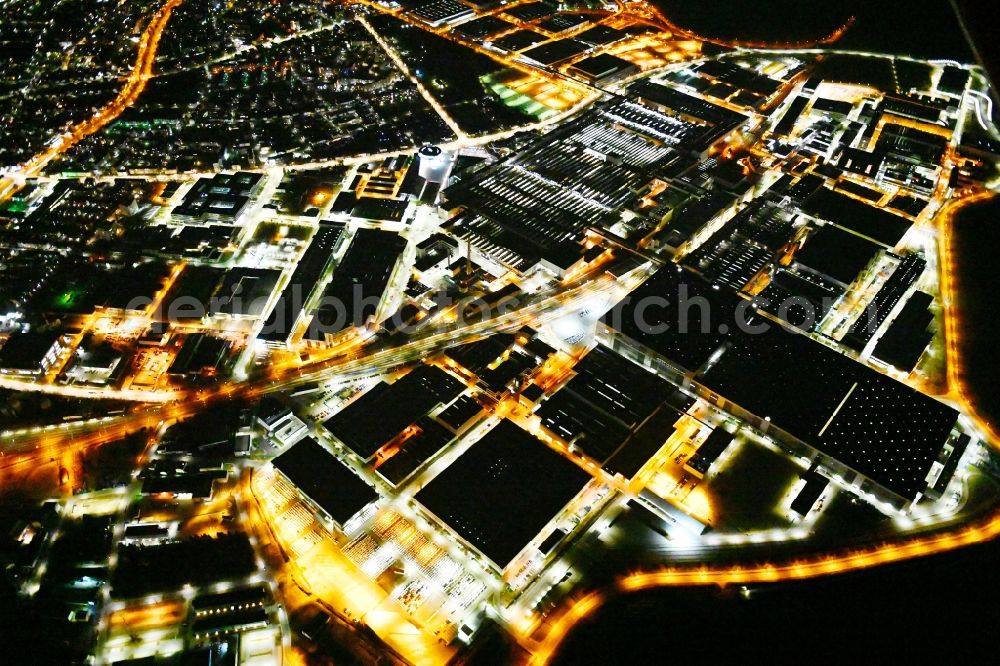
[[919, 28], [981, 19], [943, 608]]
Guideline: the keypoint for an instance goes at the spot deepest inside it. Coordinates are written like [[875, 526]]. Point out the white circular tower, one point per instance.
[[433, 164]]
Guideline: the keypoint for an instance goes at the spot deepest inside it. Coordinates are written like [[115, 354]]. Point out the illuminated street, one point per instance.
[[429, 332]]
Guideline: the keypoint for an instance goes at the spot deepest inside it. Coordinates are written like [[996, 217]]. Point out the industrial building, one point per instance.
[[334, 491], [872, 431], [502, 492]]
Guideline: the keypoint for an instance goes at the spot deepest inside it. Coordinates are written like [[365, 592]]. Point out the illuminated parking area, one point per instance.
[[135, 631], [665, 474], [653, 52], [259, 647], [535, 95], [417, 575], [318, 560], [428, 574], [142, 644]]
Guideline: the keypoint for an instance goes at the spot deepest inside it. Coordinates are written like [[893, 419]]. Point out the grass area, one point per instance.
[[982, 492], [747, 490], [933, 364], [846, 520]]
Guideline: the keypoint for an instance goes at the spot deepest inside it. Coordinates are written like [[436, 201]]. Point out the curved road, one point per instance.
[[48, 443], [141, 72], [824, 564]]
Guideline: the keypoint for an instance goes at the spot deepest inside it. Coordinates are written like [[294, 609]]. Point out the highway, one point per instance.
[[799, 569], [27, 449], [823, 564], [31, 448], [958, 390], [88, 392], [537, 311]]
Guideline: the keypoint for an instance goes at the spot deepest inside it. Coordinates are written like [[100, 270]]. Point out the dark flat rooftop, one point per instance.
[[360, 279], [191, 293], [439, 10], [223, 194], [570, 416], [888, 295], [245, 291], [482, 27], [520, 39], [560, 23], [307, 273], [815, 485], [633, 455], [475, 356], [508, 374], [801, 300], [201, 352], [501, 492], [375, 418], [25, 351], [554, 52], [530, 11], [890, 433], [882, 429], [836, 253], [429, 438], [601, 34], [197, 484], [876, 223], [678, 328], [867, 421], [618, 386], [710, 450], [601, 65], [684, 104], [460, 412], [135, 286], [325, 480], [739, 77], [255, 594], [904, 342], [389, 210], [908, 204]]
